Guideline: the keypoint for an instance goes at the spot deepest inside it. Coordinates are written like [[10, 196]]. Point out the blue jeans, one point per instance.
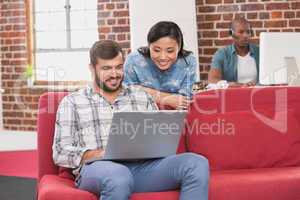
[[118, 180]]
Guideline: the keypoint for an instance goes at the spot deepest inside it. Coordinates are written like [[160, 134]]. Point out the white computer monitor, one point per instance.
[[276, 51]]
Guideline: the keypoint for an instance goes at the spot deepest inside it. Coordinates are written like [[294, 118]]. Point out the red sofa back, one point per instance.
[[48, 104], [245, 128]]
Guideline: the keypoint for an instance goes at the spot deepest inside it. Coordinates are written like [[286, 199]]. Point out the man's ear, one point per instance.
[[91, 67], [92, 70]]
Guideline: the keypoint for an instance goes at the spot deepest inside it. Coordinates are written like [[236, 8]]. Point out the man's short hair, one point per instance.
[[104, 49], [239, 20]]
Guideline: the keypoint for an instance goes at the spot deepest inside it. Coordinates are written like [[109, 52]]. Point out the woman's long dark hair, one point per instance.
[[165, 29]]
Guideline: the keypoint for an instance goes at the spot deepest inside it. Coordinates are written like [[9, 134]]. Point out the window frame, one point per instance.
[[32, 50]]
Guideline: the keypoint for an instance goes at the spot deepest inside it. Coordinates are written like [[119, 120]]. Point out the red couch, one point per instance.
[[250, 136]]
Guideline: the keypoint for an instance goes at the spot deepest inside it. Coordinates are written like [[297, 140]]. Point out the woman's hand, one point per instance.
[[177, 101]]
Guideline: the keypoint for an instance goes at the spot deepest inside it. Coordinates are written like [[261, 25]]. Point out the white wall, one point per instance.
[[145, 13], [17, 140]]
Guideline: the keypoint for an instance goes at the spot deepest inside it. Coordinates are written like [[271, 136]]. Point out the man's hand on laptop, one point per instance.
[[92, 154]]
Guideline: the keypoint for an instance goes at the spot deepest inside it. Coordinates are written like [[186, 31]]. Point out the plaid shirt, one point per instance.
[[84, 118]]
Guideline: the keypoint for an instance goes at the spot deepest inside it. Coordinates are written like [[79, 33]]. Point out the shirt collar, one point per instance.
[[90, 92], [233, 50]]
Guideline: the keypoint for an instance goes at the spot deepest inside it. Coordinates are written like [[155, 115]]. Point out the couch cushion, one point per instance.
[[52, 187], [258, 184], [241, 140]]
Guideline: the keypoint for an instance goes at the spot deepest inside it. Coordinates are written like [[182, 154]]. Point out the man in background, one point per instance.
[[238, 63]]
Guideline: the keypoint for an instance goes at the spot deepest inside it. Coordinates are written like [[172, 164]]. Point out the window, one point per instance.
[[64, 31]]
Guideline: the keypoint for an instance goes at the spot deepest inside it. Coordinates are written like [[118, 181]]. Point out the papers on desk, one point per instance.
[[219, 85]]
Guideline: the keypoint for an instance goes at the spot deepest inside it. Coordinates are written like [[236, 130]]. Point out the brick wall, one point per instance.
[[213, 19], [114, 21], [19, 102]]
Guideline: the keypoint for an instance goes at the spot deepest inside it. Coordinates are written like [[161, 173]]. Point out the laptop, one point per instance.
[[144, 135], [293, 75]]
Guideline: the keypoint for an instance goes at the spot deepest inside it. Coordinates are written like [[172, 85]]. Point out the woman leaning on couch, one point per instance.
[[163, 68]]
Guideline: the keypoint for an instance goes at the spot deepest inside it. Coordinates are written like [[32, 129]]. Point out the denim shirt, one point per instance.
[[179, 78], [225, 59]]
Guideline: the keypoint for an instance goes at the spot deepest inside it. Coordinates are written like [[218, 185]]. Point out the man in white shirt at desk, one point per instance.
[[238, 64]]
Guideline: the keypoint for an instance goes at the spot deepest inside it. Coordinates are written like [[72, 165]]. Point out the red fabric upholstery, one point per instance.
[[48, 104], [256, 184], [233, 122], [244, 140], [52, 187], [242, 132]]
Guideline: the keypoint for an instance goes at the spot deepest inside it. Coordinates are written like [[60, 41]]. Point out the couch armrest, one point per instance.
[[53, 187]]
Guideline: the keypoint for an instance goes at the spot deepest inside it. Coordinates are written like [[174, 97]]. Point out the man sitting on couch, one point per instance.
[[82, 125]]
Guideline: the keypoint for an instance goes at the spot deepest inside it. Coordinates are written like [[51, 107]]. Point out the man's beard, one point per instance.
[[104, 87]]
